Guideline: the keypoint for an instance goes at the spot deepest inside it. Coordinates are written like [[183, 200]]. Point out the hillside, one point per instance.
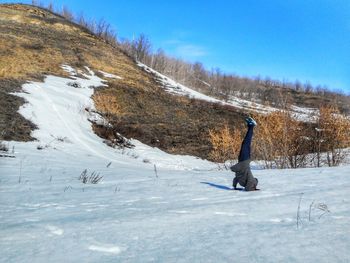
[[150, 206], [140, 103], [35, 42]]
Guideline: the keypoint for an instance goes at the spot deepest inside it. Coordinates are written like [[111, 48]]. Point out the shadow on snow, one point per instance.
[[222, 187]]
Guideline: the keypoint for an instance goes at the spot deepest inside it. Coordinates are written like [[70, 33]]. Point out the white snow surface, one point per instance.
[[151, 206], [109, 75], [171, 86]]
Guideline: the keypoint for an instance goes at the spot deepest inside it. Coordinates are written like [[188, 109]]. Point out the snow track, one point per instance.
[[61, 107]]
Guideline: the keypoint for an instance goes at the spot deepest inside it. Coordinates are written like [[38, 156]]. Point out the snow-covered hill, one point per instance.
[[151, 206]]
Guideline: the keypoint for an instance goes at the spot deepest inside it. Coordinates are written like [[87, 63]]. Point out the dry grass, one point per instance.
[[226, 144], [174, 124], [113, 61], [34, 42], [20, 61], [108, 104]]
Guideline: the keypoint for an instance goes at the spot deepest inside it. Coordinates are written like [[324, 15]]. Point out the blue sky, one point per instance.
[[308, 40]]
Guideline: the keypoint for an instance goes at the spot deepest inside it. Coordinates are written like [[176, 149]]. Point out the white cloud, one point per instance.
[[190, 51], [179, 45]]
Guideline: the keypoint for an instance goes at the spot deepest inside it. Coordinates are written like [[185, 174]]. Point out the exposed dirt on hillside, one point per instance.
[[13, 126]]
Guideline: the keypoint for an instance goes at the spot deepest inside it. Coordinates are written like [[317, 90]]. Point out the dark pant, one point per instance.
[[244, 154]]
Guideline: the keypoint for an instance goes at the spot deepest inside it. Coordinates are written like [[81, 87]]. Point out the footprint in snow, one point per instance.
[[179, 211], [339, 217], [155, 197], [281, 220], [131, 201], [55, 230], [111, 249], [229, 214], [200, 199]]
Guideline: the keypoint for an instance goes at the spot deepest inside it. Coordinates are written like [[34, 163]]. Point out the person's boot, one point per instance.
[[250, 121]]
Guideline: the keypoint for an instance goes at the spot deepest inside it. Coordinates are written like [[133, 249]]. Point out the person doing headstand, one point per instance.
[[242, 170]]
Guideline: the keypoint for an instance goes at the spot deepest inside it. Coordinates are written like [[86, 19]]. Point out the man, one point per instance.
[[244, 175]]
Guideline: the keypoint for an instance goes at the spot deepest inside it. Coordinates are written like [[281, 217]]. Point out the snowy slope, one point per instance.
[[151, 206], [299, 113], [61, 109]]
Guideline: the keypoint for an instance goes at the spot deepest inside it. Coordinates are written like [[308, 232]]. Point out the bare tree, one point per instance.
[[50, 6], [66, 13], [141, 48]]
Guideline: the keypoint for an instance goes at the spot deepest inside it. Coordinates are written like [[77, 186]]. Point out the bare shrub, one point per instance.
[[320, 208], [141, 48], [112, 137], [332, 135], [74, 84], [280, 140], [41, 147], [101, 29], [315, 209], [119, 142], [298, 211], [283, 142], [92, 178], [225, 144], [67, 14], [3, 147]]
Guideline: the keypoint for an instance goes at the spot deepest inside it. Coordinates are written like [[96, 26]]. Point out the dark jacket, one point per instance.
[[244, 176]]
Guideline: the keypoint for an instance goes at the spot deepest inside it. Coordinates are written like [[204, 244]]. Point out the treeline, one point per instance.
[[282, 142], [100, 28], [221, 85], [212, 82]]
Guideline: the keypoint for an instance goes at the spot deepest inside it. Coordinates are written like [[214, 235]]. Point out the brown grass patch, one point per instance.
[[108, 104]]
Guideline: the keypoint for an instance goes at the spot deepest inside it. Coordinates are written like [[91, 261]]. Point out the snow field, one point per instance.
[[168, 209], [179, 216]]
